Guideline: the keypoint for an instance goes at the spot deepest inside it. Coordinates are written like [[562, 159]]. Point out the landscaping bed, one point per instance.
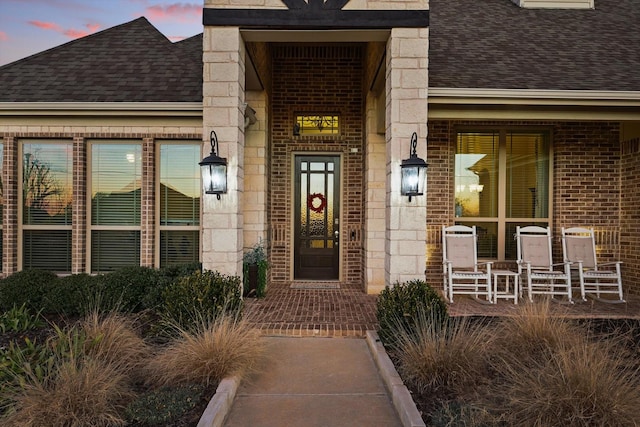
[[530, 369], [144, 365]]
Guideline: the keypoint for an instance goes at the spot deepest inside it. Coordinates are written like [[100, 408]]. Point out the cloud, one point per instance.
[[69, 32], [46, 25], [178, 12], [3, 36]]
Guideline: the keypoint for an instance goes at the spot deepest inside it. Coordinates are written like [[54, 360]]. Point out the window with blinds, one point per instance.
[[116, 176], [47, 193], [179, 203], [1, 200], [502, 180]]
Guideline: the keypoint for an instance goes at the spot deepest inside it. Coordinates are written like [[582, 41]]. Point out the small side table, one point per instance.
[[508, 292]]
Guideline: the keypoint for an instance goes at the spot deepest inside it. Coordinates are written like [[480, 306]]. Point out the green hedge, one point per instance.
[[400, 305], [27, 287], [202, 296]]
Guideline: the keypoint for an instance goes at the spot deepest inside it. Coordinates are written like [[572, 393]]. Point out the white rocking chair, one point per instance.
[[579, 248], [461, 269], [535, 263]]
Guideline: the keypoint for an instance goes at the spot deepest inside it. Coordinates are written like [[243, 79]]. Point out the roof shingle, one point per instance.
[[132, 62], [492, 44], [496, 44]]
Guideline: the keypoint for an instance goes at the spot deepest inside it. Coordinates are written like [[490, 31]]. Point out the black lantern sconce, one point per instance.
[[214, 170], [414, 172]]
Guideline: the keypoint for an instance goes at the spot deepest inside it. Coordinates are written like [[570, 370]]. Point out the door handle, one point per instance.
[[336, 235]]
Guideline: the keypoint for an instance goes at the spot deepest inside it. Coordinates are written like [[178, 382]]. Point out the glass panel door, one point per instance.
[[317, 218]]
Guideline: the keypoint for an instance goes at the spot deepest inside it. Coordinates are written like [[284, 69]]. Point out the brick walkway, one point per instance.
[[348, 312], [313, 312]]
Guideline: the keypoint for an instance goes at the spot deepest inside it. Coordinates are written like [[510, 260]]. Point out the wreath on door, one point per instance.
[[316, 202]]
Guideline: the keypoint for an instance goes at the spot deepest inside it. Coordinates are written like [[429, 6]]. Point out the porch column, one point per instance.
[[223, 112], [406, 112]]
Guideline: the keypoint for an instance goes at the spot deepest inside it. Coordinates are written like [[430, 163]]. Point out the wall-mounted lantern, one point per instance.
[[214, 170], [414, 172]]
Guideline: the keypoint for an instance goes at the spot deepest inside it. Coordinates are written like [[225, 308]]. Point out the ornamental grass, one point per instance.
[[205, 354]]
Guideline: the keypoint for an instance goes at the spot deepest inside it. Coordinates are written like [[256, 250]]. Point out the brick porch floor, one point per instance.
[[348, 312]]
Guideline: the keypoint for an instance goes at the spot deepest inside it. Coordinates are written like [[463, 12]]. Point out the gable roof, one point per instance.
[[132, 62], [493, 44], [496, 44]]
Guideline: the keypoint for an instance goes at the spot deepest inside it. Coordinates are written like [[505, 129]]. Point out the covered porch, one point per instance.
[[348, 312]]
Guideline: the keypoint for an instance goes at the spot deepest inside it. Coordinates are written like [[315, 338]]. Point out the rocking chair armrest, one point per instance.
[[610, 263], [487, 263]]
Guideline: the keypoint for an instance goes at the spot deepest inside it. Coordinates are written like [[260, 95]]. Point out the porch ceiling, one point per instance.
[[323, 36]]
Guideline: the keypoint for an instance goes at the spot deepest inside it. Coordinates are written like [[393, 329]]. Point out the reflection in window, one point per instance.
[[46, 205], [316, 125], [179, 199], [116, 174], [501, 180], [1, 200]]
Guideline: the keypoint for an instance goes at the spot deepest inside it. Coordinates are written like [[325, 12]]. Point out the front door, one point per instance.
[[317, 218]]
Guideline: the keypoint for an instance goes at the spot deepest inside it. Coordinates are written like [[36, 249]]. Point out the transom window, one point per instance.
[[47, 194], [316, 125], [179, 203], [502, 180]]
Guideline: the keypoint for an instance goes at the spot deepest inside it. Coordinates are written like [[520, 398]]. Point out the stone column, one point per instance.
[[406, 112], [375, 207], [255, 171], [223, 112]]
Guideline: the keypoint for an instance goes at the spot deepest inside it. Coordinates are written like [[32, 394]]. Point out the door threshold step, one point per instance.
[[315, 285]]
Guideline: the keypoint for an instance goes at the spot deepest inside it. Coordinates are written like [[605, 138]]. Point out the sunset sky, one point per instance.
[[31, 26]]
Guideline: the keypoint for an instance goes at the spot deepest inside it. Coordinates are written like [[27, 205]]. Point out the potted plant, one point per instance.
[[254, 270]]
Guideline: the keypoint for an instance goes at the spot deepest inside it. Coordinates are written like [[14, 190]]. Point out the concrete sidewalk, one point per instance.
[[314, 382]]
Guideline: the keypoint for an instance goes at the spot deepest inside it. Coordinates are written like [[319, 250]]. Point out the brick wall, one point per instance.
[[630, 201], [586, 187], [310, 79], [10, 208]]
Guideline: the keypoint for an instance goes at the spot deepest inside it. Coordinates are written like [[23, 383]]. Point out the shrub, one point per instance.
[[19, 319], [163, 406], [167, 276], [199, 296], [254, 270], [20, 361], [212, 351], [71, 295], [443, 358], [398, 307], [26, 287], [113, 339], [460, 414], [581, 384], [126, 288], [80, 392], [534, 330]]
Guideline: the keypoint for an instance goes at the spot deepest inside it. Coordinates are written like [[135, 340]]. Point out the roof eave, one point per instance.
[[101, 108], [533, 104], [534, 96]]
